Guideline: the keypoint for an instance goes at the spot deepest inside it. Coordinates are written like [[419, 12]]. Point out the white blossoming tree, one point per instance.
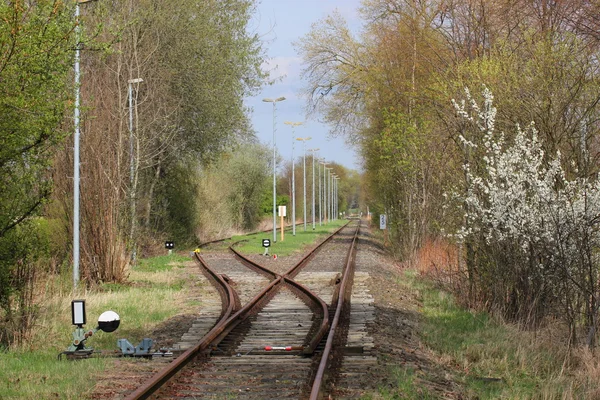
[[534, 232]]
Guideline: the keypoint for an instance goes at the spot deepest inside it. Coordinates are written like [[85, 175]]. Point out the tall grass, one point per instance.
[[495, 359], [407, 387], [156, 291]]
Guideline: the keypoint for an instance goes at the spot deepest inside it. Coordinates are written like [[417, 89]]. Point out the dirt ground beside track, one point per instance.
[[396, 330], [396, 334]]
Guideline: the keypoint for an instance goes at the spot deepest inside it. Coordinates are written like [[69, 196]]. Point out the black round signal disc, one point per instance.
[[108, 321]]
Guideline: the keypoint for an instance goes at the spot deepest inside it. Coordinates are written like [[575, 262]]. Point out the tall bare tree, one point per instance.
[[197, 62]]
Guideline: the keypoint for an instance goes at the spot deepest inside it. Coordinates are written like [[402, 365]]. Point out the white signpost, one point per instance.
[[383, 226], [282, 213], [382, 221]]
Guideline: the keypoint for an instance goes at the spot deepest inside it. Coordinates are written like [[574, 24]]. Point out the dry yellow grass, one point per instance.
[[534, 363], [31, 370]]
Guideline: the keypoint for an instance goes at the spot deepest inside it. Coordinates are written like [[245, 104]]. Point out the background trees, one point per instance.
[[231, 190], [35, 61], [398, 79], [197, 62]]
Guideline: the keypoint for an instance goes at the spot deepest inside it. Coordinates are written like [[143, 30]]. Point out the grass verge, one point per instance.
[[252, 244], [407, 384], [492, 359], [156, 291]]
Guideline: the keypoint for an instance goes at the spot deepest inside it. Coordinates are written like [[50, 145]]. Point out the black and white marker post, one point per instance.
[[266, 243]]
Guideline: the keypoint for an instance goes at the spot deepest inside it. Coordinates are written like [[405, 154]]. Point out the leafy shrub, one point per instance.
[[532, 231]]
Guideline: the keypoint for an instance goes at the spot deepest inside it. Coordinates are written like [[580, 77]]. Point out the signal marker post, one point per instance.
[[282, 213], [383, 225], [266, 243]]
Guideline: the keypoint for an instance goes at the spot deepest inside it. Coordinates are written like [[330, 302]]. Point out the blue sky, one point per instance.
[[280, 23]]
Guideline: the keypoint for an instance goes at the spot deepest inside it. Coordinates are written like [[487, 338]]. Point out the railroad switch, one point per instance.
[[141, 350], [108, 322]]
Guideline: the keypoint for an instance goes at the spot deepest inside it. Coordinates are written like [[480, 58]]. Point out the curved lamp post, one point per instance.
[[336, 204], [132, 168], [325, 192], [303, 140], [274, 101], [313, 185], [76, 144], [293, 125], [332, 180], [320, 188]]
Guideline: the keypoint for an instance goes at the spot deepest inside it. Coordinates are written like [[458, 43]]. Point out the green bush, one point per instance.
[[21, 249]]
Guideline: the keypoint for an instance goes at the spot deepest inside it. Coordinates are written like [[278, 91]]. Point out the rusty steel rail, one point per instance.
[[310, 348], [292, 272], [253, 265], [286, 227], [229, 320], [225, 325], [348, 272], [163, 376], [288, 278], [324, 327]]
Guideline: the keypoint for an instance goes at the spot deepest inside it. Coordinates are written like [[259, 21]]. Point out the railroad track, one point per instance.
[[287, 227], [279, 335]]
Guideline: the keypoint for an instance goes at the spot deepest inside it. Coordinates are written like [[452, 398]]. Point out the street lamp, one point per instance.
[[274, 101], [293, 125], [303, 140], [313, 185], [321, 162], [332, 178], [326, 192], [336, 209], [132, 184], [76, 155], [131, 141], [335, 196], [76, 136]]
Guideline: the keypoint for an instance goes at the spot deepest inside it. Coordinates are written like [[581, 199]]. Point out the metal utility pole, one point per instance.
[[337, 197], [76, 155], [333, 197], [334, 202], [76, 140], [274, 101], [303, 140], [314, 220], [324, 204], [326, 194], [132, 182], [331, 216], [320, 197], [293, 125]]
